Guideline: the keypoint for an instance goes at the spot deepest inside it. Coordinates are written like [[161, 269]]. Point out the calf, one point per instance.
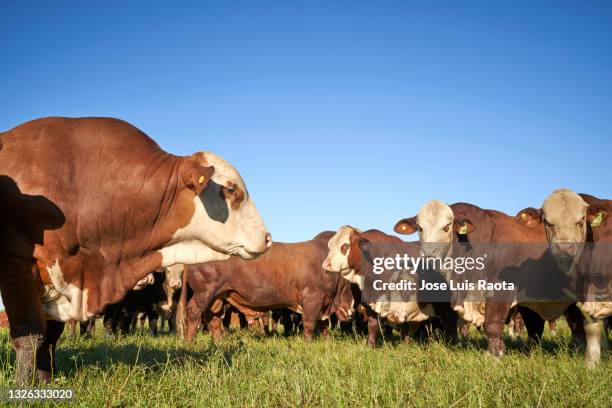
[[287, 276]]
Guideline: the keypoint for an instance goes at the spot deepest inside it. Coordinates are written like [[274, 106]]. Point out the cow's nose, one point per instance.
[[565, 247], [268, 240]]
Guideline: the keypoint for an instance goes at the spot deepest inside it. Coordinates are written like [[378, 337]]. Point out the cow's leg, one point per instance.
[[449, 321], [153, 316], [594, 330], [575, 321], [21, 298], [495, 317], [194, 315], [87, 327], [464, 329], [309, 319], [322, 326], [227, 318], [518, 324], [407, 330], [45, 357], [214, 323], [533, 323], [274, 319], [199, 303], [264, 321], [109, 321], [552, 326], [309, 322], [72, 327], [373, 327], [287, 322]]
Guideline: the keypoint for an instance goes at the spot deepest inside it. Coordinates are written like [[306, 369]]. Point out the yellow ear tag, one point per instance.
[[463, 230], [597, 220], [523, 215], [404, 227], [201, 179]]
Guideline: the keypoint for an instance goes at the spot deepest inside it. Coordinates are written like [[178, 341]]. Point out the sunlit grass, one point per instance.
[[247, 369]]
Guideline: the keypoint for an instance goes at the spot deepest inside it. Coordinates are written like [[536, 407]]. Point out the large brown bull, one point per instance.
[[89, 206], [287, 276], [579, 231]]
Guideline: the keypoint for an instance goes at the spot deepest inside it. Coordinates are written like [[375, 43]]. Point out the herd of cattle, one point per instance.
[[97, 220]]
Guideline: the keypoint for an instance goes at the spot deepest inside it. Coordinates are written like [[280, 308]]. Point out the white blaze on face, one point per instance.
[[219, 229], [564, 216], [174, 276], [435, 227], [62, 301], [336, 260]]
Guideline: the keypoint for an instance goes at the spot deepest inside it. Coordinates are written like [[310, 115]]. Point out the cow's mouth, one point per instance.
[[244, 253]]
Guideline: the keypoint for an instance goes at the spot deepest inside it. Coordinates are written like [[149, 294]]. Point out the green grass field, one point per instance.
[[247, 369]]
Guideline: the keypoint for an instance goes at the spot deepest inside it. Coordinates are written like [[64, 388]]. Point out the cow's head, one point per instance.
[[144, 282], [225, 221], [337, 260], [567, 219], [437, 226], [174, 277]]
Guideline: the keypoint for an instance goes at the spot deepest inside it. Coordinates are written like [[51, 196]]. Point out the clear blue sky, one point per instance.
[[336, 112]]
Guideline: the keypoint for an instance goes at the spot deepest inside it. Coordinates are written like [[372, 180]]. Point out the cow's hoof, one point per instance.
[[497, 348], [591, 362], [44, 377]]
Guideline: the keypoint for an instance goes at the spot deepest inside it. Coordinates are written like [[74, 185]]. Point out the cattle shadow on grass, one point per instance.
[[520, 345], [72, 358]]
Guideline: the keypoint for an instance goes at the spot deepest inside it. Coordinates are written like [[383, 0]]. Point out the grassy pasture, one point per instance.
[[247, 369]]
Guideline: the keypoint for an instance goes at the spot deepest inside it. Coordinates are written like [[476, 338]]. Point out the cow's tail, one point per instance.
[[181, 310]]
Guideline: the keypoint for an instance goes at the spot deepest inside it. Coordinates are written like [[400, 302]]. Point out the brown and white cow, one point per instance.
[[172, 285], [442, 228], [579, 231], [288, 275], [350, 252], [89, 206]]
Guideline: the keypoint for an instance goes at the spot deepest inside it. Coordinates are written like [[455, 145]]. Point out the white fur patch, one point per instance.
[[598, 310], [62, 301], [189, 252], [401, 312]]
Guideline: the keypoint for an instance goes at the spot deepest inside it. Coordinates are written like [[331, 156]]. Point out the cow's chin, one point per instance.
[[246, 254], [566, 262]]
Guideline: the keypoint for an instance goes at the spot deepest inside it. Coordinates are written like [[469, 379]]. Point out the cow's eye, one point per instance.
[[418, 227], [447, 227], [230, 189], [344, 249]]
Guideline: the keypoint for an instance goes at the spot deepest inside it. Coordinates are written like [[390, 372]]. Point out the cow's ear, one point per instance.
[[197, 177], [406, 226], [364, 245], [596, 215], [530, 216], [463, 225]]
